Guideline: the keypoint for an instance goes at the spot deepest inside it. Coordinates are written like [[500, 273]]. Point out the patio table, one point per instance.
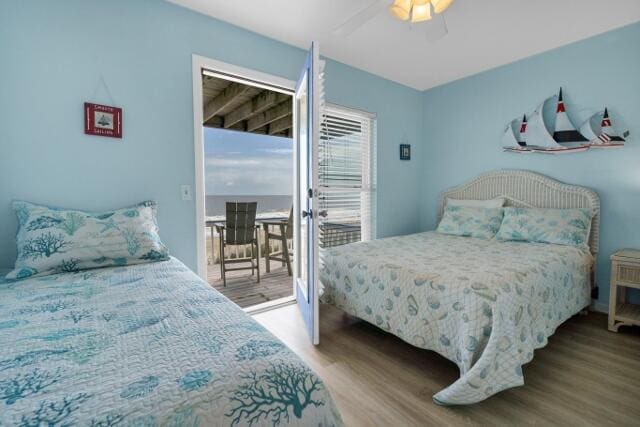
[[266, 222]]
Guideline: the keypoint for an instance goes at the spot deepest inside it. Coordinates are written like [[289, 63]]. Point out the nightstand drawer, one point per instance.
[[627, 274]]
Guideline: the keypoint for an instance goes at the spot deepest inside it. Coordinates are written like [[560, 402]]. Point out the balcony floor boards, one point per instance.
[[242, 287]]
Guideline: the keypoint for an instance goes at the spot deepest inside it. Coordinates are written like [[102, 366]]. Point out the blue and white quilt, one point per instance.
[[483, 304], [145, 345]]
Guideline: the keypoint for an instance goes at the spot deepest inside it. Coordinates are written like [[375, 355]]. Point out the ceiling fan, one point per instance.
[[413, 11]]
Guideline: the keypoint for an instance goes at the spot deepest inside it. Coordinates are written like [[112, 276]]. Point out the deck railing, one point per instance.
[[331, 234], [240, 251]]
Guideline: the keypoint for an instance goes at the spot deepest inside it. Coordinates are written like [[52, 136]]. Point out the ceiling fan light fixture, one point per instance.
[[421, 11], [440, 6], [401, 9]]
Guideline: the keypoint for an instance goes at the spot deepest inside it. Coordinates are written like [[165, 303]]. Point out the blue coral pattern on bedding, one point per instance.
[[483, 304], [471, 221], [557, 226], [145, 345], [53, 240]]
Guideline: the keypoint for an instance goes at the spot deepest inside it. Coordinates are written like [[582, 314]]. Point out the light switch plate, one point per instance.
[[185, 190]]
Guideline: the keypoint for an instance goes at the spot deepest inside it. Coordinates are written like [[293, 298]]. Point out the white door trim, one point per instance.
[[230, 71]]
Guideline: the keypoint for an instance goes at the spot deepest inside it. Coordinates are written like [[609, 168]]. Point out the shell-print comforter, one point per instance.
[[145, 345], [483, 304]]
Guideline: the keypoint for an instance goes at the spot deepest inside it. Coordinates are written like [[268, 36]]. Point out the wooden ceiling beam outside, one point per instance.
[[263, 130], [280, 125], [240, 126], [215, 122], [260, 103], [239, 107], [218, 103], [269, 116]]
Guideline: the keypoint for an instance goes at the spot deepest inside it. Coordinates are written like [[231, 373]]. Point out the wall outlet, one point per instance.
[[185, 190]]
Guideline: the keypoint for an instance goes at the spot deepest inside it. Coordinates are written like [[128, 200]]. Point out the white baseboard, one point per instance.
[[599, 307]]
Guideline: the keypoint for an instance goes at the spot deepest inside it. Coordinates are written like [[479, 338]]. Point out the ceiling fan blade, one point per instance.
[[436, 28], [360, 18]]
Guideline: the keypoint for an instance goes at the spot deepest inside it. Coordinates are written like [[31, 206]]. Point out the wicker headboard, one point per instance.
[[529, 189]]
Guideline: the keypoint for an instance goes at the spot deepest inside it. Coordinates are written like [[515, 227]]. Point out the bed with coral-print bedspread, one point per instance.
[[145, 345], [483, 304]]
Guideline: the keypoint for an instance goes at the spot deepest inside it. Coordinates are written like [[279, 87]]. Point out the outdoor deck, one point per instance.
[[242, 287]]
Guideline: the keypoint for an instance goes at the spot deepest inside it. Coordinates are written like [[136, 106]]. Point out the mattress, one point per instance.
[[483, 304], [145, 345]]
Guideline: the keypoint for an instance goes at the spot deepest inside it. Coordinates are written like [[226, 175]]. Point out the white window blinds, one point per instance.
[[347, 176]]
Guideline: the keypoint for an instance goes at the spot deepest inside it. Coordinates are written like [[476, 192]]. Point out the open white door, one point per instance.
[[307, 105]]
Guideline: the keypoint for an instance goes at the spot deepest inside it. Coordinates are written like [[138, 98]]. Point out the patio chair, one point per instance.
[[239, 229], [284, 233]]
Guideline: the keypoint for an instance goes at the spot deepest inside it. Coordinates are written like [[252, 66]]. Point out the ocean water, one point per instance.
[[215, 205]]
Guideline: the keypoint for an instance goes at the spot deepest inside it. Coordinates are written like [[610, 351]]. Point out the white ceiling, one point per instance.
[[482, 34]]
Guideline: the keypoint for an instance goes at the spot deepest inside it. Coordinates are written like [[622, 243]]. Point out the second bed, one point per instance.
[[483, 304]]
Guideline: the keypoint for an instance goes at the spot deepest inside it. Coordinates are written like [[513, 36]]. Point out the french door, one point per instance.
[[307, 104]]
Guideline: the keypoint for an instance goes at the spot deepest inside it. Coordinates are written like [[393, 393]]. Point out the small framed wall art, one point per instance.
[[102, 120], [405, 152]]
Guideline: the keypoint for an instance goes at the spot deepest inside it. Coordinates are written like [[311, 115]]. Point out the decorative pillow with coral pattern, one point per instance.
[[53, 240], [568, 227], [470, 221]]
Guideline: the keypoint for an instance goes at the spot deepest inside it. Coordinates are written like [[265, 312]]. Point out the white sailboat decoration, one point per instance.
[[541, 141], [565, 133], [590, 128], [607, 137], [513, 139], [532, 135]]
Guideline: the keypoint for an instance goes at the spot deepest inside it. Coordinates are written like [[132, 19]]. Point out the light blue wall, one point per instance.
[[52, 55], [463, 121]]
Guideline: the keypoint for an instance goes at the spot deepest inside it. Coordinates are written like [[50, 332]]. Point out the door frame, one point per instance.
[[309, 77], [234, 73]]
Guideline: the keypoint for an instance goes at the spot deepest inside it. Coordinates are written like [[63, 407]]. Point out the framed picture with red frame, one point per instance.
[[102, 120]]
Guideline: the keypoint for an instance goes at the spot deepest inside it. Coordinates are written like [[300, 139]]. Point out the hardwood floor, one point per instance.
[[242, 287], [585, 376]]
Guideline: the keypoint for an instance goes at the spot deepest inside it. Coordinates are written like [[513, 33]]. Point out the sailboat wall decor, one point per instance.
[[532, 133], [513, 138]]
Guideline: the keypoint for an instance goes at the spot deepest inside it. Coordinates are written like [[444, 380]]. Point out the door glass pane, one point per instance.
[[303, 151]]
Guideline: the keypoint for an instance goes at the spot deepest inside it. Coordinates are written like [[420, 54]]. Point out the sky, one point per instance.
[[247, 164]]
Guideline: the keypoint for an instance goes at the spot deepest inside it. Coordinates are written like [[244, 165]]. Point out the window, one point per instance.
[[347, 176]]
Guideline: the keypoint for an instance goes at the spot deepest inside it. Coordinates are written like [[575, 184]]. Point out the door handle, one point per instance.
[[307, 214], [323, 213]]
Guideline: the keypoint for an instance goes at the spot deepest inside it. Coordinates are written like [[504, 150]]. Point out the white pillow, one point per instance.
[[498, 202]]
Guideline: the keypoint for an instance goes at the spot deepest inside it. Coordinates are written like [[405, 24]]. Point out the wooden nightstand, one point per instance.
[[625, 273]]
